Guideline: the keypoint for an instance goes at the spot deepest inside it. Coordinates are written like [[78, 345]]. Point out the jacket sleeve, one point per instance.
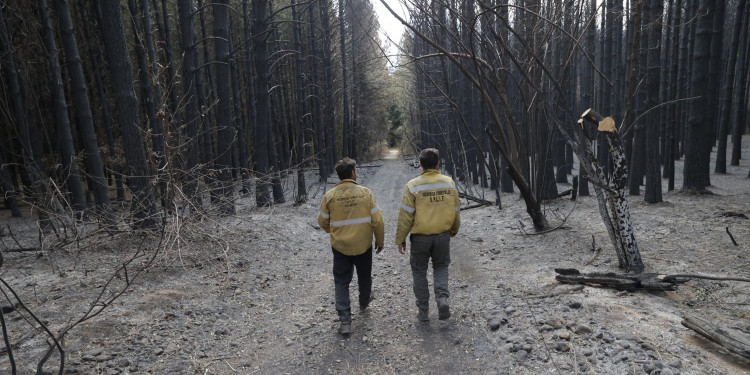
[[378, 227], [324, 217], [405, 216], [457, 218]]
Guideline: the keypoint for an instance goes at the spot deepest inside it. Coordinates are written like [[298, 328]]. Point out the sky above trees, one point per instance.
[[391, 29]]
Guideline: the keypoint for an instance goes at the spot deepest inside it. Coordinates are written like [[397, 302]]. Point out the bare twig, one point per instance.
[[732, 237]]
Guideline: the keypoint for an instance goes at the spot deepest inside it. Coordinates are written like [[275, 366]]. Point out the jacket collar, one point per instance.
[[430, 172], [346, 180]]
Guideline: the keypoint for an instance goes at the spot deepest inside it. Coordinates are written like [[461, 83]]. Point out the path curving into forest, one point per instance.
[[387, 337]]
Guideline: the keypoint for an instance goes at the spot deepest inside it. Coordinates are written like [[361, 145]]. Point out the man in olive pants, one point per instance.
[[349, 213], [430, 212]]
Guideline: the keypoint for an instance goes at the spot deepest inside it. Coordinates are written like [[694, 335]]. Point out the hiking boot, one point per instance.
[[345, 328], [444, 311], [363, 306], [423, 315]]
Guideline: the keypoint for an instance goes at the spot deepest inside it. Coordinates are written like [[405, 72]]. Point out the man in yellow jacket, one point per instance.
[[349, 213], [430, 211]]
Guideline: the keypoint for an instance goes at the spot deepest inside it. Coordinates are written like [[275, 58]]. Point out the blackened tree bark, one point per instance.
[[148, 94], [330, 120], [106, 118], [738, 110], [113, 32], [300, 104], [260, 158], [70, 173], [36, 185], [239, 120], [671, 132], [727, 89], [716, 59], [346, 126], [205, 103], [263, 134], [171, 71], [224, 131], [315, 97], [654, 10], [630, 106], [82, 106], [157, 125], [698, 131], [190, 82], [7, 189]]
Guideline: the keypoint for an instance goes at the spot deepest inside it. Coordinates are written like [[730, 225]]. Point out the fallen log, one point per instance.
[[475, 199], [646, 281], [631, 283], [564, 193], [473, 206], [732, 341]]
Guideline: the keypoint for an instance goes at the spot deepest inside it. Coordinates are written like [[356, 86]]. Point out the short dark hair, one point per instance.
[[345, 167], [429, 158]]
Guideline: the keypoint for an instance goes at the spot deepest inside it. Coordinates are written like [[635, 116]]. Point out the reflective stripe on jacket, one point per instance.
[[349, 213], [429, 206]]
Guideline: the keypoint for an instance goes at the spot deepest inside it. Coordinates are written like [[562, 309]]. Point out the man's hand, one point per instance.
[[378, 249], [402, 248], [453, 235]]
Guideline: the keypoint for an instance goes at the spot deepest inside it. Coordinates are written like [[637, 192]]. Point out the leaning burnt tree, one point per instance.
[[507, 136]]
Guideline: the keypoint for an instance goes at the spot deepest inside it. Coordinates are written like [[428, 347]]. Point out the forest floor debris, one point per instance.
[[253, 293]]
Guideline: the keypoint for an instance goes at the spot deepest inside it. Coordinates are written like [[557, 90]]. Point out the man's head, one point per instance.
[[429, 158], [345, 168]]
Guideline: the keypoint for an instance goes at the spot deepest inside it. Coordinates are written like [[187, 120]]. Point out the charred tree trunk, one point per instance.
[[146, 55], [315, 95], [346, 126], [264, 133], [7, 189], [654, 10], [172, 96], [300, 103], [70, 172], [260, 158], [116, 169], [698, 131], [330, 119], [225, 134], [671, 132], [113, 32], [239, 121], [727, 89], [739, 109], [610, 191], [82, 107], [191, 81]]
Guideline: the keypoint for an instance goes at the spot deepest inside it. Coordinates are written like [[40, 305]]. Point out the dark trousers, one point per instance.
[[343, 270], [423, 248]]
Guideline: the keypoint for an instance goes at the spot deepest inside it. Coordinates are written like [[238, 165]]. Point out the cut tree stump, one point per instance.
[[733, 341]]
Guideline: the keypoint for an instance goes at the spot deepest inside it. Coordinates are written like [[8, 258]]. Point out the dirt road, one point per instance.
[[253, 294]]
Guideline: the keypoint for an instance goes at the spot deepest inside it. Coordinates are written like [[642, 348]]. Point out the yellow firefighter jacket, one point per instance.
[[429, 206], [349, 213]]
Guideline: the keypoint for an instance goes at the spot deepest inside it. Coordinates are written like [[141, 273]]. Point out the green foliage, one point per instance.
[[395, 132]]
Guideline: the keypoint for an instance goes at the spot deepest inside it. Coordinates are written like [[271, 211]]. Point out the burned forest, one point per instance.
[[163, 165]]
